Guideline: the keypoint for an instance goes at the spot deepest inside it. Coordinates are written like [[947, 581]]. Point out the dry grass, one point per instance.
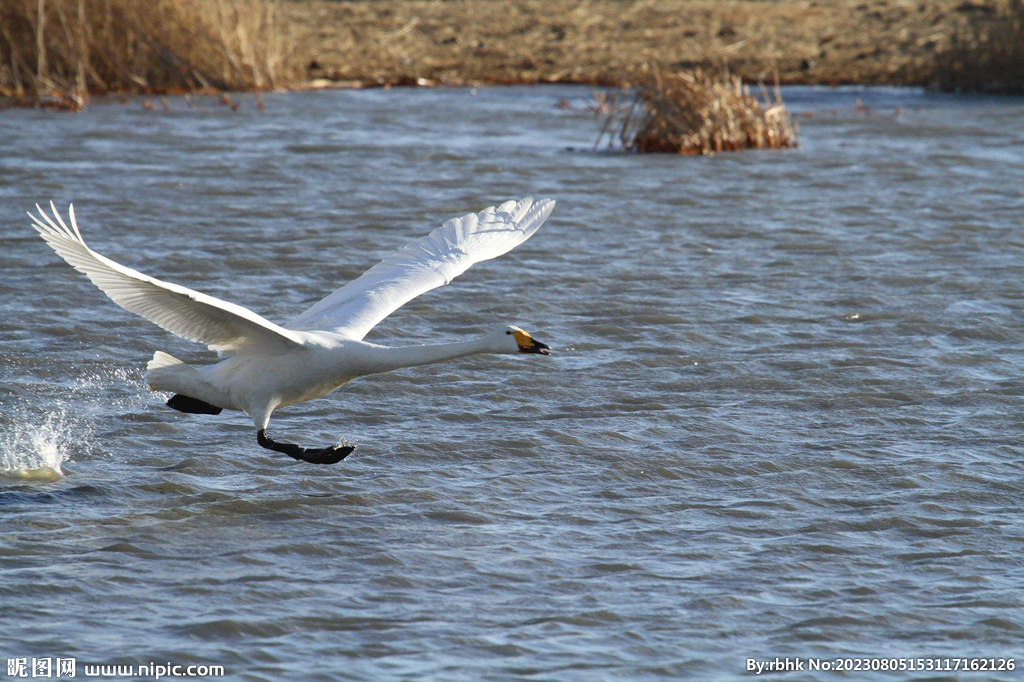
[[460, 42], [694, 112], [57, 52], [988, 54]]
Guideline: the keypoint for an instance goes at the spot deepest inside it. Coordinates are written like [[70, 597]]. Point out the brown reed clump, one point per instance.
[[987, 55], [693, 112], [57, 52]]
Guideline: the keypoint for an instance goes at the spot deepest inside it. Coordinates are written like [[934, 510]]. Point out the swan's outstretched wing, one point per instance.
[[424, 264], [191, 315]]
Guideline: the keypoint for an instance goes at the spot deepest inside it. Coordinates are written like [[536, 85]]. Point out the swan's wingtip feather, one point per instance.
[[74, 223], [51, 226], [60, 219]]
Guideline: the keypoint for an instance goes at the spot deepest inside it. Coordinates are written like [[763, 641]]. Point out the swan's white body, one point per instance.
[[258, 383], [267, 366]]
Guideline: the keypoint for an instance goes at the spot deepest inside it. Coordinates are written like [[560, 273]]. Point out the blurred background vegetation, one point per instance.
[[986, 55], [58, 52]]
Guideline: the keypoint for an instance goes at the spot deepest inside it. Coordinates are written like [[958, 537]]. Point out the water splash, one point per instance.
[[34, 445], [35, 451]]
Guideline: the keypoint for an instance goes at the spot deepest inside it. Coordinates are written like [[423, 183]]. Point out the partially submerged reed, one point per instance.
[[57, 52], [694, 112], [987, 55]]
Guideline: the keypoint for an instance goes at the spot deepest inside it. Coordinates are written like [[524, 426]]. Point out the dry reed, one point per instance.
[[693, 112], [57, 52], [988, 55]]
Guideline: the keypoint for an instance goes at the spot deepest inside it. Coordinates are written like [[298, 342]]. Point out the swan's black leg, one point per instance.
[[328, 455]]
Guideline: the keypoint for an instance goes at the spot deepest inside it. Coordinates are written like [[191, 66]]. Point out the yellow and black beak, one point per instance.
[[537, 347], [528, 345]]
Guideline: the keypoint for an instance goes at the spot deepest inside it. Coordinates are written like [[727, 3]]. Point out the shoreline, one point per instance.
[[155, 100]]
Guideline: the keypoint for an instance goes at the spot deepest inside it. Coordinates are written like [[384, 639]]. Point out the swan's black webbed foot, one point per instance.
[[328, 455]]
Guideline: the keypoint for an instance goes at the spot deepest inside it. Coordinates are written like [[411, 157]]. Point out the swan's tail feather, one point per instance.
[[167, 373], [162, 360]]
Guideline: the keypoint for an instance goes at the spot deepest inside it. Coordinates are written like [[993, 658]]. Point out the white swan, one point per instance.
[[267, 366]]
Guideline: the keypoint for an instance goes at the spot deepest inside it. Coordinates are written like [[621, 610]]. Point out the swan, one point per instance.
[[264, 366]]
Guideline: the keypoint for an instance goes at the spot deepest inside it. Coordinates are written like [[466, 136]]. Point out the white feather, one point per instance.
[[191, 315], [424, 264]]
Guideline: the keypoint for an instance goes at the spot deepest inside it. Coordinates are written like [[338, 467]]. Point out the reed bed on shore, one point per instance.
[[57, 52], [987, 55], [695, 112]]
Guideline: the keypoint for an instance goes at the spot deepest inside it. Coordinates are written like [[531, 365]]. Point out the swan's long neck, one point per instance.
[[384, 359]]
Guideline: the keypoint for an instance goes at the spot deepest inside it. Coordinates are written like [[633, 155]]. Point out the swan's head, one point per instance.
[[512, 339]]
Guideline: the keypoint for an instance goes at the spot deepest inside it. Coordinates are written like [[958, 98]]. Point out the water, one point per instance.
[[783, 418]]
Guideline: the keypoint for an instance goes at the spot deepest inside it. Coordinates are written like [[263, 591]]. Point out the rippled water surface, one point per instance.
[[783, 418]]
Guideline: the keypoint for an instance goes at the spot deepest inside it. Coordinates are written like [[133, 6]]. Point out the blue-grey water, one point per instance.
[[784, 415]]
